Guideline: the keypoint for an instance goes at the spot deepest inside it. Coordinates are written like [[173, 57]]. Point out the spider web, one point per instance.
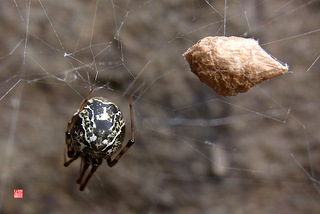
[[195, 151]]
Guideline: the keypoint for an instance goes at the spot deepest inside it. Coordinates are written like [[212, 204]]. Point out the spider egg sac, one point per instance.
[[232, 65]]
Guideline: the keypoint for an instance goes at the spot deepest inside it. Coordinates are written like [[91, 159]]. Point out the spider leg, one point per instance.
[[67, 163], [75, 117], [84, 101], [83, 168], [93, 169], [75, 157], [113, 162]]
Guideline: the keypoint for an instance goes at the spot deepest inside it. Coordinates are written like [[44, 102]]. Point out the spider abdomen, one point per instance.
[[99, 130]]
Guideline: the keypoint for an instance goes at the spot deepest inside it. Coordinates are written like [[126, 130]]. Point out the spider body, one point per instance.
[[99, 130], [96, 132]]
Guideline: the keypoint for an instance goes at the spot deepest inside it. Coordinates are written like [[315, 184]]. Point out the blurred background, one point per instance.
[[195, 151]]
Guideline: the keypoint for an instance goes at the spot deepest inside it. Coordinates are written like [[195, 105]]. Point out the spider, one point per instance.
[[96, 131]]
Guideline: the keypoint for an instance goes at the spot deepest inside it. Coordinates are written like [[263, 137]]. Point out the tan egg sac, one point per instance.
[[232, 65]]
